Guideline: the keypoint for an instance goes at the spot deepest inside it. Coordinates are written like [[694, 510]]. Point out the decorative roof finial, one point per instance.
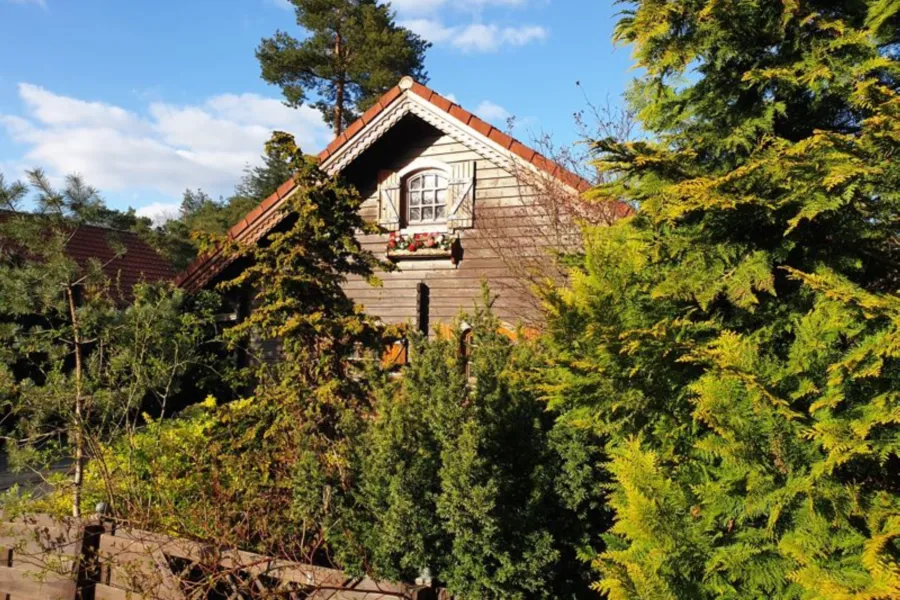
[[406, 82]]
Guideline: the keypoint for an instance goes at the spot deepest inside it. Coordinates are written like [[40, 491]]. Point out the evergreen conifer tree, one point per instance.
[[737, 340], [354, 52], [298, 433], [463, 474]]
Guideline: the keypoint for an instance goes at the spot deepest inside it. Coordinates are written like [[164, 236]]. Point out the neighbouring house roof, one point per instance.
[[139, 262], [406, 97]]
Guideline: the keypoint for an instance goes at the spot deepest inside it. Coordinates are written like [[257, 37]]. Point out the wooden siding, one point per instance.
[[453, 288]]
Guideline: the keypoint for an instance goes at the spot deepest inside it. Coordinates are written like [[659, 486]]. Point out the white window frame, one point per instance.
[[414, 168]]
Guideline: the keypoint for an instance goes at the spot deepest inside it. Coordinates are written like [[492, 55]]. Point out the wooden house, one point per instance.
[[428, 168]]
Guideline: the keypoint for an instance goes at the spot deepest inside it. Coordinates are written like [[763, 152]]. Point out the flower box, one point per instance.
[[421, 253], [420, 246]]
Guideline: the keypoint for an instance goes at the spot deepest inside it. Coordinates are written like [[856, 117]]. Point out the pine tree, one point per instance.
[[736, 341], [80, 358], [353, 54]]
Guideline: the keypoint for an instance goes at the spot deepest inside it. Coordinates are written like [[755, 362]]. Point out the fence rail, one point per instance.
[[42, 558]]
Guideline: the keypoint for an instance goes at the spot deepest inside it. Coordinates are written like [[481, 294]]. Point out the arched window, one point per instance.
[[425, 196]]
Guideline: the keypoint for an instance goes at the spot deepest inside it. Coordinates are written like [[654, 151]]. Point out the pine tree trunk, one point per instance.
[[78, 432], [339, 91]]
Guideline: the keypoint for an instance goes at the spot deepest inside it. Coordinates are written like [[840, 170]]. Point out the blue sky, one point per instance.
[[148, 98]]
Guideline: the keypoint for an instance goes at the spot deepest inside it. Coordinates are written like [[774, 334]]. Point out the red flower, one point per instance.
[[392, 244], [412, 247]]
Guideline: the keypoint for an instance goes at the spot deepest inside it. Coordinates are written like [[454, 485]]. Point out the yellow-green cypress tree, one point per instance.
[[737, 340]]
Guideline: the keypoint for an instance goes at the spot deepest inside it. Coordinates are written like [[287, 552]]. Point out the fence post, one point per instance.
[[88, 558]]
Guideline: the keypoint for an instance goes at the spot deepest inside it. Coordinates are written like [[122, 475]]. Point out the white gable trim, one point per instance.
[[409, 102], [423, 163]]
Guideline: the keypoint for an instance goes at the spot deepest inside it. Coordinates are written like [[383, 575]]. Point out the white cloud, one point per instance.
[[160, 212], [498, 116], [476, 37], [489, 38], [493, 113], [169, 149], [417, 7], [55, 110], [430, 29], [423, 7], [520, 36]]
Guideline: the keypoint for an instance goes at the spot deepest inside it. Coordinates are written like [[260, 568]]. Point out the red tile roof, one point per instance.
[[139, 262], [205, 267]]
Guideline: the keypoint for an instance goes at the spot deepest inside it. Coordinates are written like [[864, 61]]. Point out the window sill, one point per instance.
[[420, 254]]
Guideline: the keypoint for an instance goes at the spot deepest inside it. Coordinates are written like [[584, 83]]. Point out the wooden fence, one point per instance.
[[42, 558]]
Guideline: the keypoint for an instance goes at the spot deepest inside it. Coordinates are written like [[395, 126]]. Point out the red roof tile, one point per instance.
[[187, 278], [389, 96], [480, 126], [501, 138], [421, 90], [460, 114], [139, 262], [354, 128], [522, 150], [441, 102], [371, 113]]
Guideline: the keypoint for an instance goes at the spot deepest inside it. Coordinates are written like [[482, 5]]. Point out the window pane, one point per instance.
[[426, 197]]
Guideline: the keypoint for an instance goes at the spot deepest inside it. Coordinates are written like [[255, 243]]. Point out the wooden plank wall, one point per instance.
[[452, 288]]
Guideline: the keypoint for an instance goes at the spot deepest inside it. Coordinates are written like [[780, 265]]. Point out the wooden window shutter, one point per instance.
[[462, 196], [389, 200]]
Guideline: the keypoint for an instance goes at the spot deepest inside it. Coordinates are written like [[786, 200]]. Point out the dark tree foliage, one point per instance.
[[313, 400], [260, 182], [80, 358], [277, 467], [353, 52], [463, 474]]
